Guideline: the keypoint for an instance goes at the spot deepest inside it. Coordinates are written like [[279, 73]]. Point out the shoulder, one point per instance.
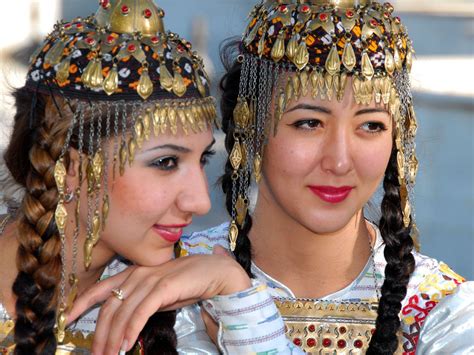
[[431, 282], [449, 327], [204, 241]]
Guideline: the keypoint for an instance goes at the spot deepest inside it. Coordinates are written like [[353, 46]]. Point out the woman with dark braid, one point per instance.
[[317, 111], [113, 122]]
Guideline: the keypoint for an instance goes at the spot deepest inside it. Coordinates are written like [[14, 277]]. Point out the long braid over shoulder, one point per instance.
[[400, 264], [31, 157], [35, 145], [229, 86]]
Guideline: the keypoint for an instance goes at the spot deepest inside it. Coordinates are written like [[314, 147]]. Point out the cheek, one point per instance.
[[288, 158], [372, 160], [137, 195]]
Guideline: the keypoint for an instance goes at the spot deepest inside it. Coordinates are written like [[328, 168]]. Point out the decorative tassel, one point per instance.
[[233, 235], [111, 82], [302, 55], [278, 50], [292, 47], [348, 56], [241, 208], [367, 68], [145, 85], [173, 120], [166, 79], [62, 73], [333, 62], [236, 155], [179, 88], [389, 62]]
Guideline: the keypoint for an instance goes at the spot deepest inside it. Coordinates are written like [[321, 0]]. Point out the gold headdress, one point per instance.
[[130, 78], [322, 42]]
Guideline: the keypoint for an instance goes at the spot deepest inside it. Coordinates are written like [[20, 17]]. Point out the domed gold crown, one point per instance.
[[131, 16], [121, 51]]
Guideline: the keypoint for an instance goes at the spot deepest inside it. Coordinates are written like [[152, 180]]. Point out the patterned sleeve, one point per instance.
[[249, 323], [449, 328], [432, 282]]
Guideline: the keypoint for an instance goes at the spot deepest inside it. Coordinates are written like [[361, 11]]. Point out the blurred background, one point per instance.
[[443, 81]]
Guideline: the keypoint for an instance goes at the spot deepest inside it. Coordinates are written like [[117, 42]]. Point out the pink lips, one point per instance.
[[170, 233], [331, 194]]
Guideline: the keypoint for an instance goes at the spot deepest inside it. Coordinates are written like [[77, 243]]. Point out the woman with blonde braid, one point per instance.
[[317, 111], [113, 122]]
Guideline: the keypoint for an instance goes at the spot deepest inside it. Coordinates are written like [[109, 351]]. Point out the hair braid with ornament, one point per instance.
[[31, 157], [400, 264], [229, 86]]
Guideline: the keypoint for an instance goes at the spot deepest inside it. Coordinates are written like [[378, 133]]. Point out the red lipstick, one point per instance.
[[331, 194], [170, 233]]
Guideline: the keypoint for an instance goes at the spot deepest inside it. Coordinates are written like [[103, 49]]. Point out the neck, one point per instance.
[[311, 264]]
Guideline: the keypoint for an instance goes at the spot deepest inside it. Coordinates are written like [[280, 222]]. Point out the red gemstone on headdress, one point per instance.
[[323, 17], [132, 48], [374, 23], [397, 20], [105, 4], [110, 39], [282, 8], [372, 331], [386, 15], [67, 26], [154, 40], [297, 341], [358, 343], [349, 14], [147, 13], [342, 330], [125, 9], [326, 342], [79, 25], [305, 8], [90, 41], [180, 48], [341, 343], [311, 342], [311, 328]]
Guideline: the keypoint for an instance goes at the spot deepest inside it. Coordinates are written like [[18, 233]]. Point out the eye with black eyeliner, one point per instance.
[[373, 127], [307, 124], [166, 163], [206, 156]]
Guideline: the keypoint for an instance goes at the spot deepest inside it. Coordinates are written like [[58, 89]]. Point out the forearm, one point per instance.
[[249, 322]]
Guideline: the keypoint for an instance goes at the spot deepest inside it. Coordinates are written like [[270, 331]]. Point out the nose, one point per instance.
[[336, 152], [194, 197]]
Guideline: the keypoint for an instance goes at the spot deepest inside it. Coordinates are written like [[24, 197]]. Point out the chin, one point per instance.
[[325, 223]]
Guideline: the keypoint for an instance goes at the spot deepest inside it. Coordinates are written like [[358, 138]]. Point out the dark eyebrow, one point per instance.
[[371, 110], [174, 147], [177, 148], [309, 107]]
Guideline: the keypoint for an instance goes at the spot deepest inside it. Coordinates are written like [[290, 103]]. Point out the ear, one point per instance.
[[73, 168]]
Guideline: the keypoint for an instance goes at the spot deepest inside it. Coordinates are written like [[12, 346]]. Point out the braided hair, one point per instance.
[[398, 242], [36, 143]]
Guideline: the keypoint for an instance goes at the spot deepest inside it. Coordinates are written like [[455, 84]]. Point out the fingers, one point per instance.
[[218, 250], [211, 326], [96, 294], [117, 319]]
